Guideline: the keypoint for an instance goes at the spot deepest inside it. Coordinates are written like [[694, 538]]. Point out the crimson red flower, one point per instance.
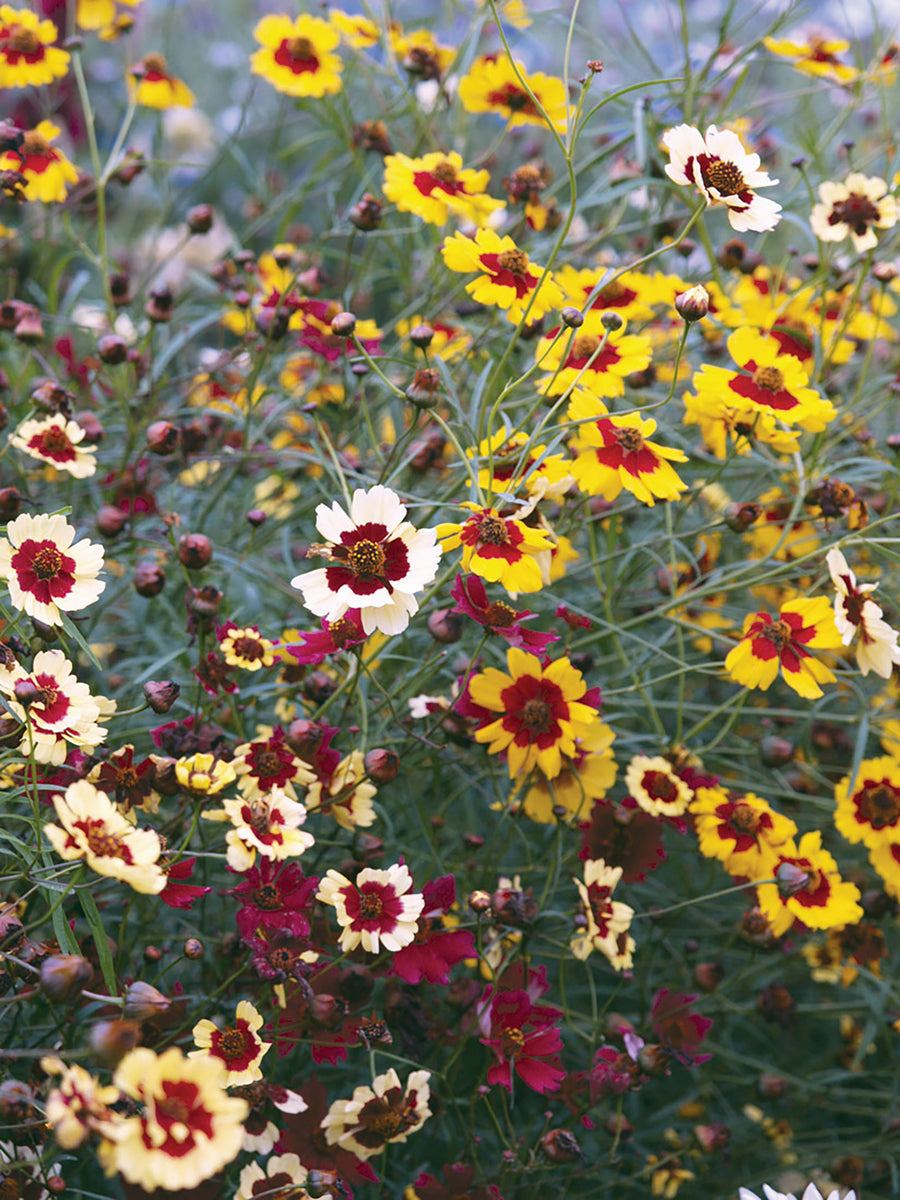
[[435, 948], [274, 896], [471, 599], [178, 894], [214, 674], [333, 637], [623, 836], [129, 783], [523, 1037], [681, 1030]]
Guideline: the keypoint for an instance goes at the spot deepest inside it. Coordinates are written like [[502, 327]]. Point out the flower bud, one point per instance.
[[739, 517], [611, 321], [885, 272], [445, 626], [200, 218], [160, 305], [149, 579], [112, 349], [162, 438], [366, 213], [120, 290], [771, 1086], [143, 1002], [51, 397], [161, 694], [790, 879], [204, 601], [256, 517], [29, 328], [110, 1041], [425, 389], [708, 975], [775, 751], [343, 325], [304, 738], [111, 520], [318, 686], [692, 305], [572, 318], [10, 503], [64, 976], [273, 324], [193, 948], [382, 766], [194, 551], [15, 1102], [560, 1146], [480, 903], [94, 433], [421, 336], [26, 692], [712, 1137], [654, 1059]]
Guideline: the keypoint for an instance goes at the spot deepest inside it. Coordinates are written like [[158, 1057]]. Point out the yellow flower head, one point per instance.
[[28, 57], [809, 889], [771, 645], [204, 774], [815, 56], [156, 87], [506, 276], [47, 171], [296, 55], [494, 84], [436, 186], [500, 549], [741, 830], [592, 357]]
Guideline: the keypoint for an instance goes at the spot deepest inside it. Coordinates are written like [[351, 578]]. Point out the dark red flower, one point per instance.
[[177, 894], [215, 674], [435, 948], [274, 896], [623, 835], [471, 599], [523, 1037], [302, 1135], [333, 637], [129, 783], [681, 1030], [459, 1184]]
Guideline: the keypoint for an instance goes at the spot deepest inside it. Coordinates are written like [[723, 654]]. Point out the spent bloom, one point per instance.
[[855, 208], [377, 561], [45, 573], [378, 911], [856, 613], [607, 920], [724, 173]]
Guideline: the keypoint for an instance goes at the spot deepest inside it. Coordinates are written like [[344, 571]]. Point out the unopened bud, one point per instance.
[[15, 1103], [29, 328], [480, 903], [10, 503], [64, 976], [572, 318], [560, 1146], [739, 517], [692, 305], [111, 520], [654, 1059], [343, 325], [161, 694], [366, 213], [791, 879], [775, 751], [421, 336], [885, 272], [112, 349], [143, 1002], [445, 626], [611, 321], [771, 1086], [27, 692], [194, 551], [160, 306], [708, 976], [382, 766], [162, 438], [304, 737], [425, 389], [712, 1137], [110, 1041], [149, 579], [200, 218], [193, 948], [256, 517]]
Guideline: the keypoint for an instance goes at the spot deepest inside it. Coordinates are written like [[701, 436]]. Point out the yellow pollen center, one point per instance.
[[769, 378], [35, 144], [342, 631], [630, 440], [513, 1040], [366, 559], [247, 648], [46, 563], [515, 261], [725, 178], [500, 614], [387, 1124], [103, 844]]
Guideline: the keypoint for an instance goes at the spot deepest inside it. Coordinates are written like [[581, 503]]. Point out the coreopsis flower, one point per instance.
[[204, 774], [740, 829], [92, 828], [156, 87], [420, 53], [347, 794], [814, 893], [772, 382], [679, 1029], [502, 619], [656, 787], [284, 1175], [245, 647], [725, 417], [634, 295], [855, 208], [506, 276], [189, 1127], [335, 636], [524, 1038], [129, 783], [45, 573], [614, 453], [724, 173], [357, 31], [870, 813], [268, 825], [296, 55], [607, 920], [623, 835], [815, 56], [437, 946], [494, 84], [61, 711], [269, 763], [101, 14], [58, 442], [378, 911], [592, 357], [542, 712], [885, 859], [585, 777], [855, 612], [437, 185], [769, 645], [500, 549], [28, 56], [238, 1046], [177, 893], [378, 1115], [79, 1105], [377, 561], [274, 897]]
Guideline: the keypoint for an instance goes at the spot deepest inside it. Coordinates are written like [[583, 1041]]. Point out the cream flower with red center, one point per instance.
[[500, 549], [79, 1105], [377, 561], [56, 441], [347, 795], [870, 813], [506, 276], [653, 783], [809, 889], [770, 644], [607, 920], [238, 1046], [45, 573], [542, 716], [855, 612], [283, 1179], [92, 828], [28, 56], [54, 706], [189, 1127], [855, 208], [376, 912], [724, 173], [385, 1112], [268, 825], [269, 763]]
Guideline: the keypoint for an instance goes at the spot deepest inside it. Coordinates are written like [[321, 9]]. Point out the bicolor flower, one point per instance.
[[817, 56], [870, 813], [500, 549], [377, 561], [855, 208], [245, 647], [156, 87], [436, 186], [524, 1038], [494, 85], [284, 1175], [770, 645], [46, 574], [238, 1046], [296, 55], [856, 613], [656, 787], [28, 56], [347, 794], [506, 276], [508, 462], [723, 173], [816, 894], [61, 711], [740, 829], [58, 442], [614, 453], [378, 911], [377, 1115], [268, 825], [607, 920], [591, 357], [268, 763]]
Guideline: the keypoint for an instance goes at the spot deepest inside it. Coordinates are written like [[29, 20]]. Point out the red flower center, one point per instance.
[[744, 818], [233, 1043], [724, 177], [856, 211], [298, 54], [512, 97], [366, 559], [660, 786]]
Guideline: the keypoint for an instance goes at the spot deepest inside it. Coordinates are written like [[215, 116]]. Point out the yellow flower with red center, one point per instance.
[[776, 535], [510, 463], [591, 356], [238, 1046], [357, 31], [419, 53], [500, 549], [608, 920], [740, 829], [613, 453], [870, 813], [61, 711], [78, 1105], [436, 185], [815, 56], [541, 713], [658, 789], [770, 645], [28, 56], [246, 648], [885, 859], [769, 380], [284, 1176], [495, 85], [47, 171], [583, 779], [634, 295], [809, 889], [507, 278], [296, 55], [854, 209], [156, 87], [723, 418], [102, 14], [385, 1112], [188, 1128]]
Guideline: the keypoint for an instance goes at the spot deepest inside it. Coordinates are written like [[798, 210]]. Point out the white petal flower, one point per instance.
[[724, 173]]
